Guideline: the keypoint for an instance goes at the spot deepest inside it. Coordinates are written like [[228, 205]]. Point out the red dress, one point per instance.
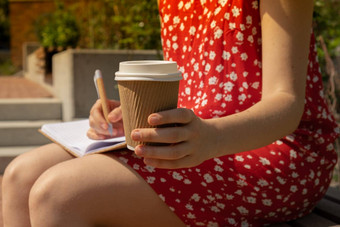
[[217, 45]]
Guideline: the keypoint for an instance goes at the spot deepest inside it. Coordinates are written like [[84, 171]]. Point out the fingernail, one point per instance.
[[154, 119], [139, 150], [135, 135]]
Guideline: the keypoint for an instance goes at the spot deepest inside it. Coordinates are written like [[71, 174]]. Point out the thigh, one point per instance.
[[29, 166], [104, 190], [46, 155]]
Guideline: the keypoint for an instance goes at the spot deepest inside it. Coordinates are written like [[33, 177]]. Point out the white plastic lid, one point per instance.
[[148, 70]]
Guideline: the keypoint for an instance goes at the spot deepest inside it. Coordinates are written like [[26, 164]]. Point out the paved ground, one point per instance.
[[19, 87]]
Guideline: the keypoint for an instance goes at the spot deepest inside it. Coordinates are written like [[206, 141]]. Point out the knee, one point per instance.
[[42, 192], [51, 201], [48, 196], [19, 174]]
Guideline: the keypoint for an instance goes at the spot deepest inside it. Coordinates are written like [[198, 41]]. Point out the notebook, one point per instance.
[[72, 137]]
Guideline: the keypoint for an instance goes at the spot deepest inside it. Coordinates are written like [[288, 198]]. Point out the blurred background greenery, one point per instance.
[[98, 24], [129, 24], [119, 24], [327, 25]]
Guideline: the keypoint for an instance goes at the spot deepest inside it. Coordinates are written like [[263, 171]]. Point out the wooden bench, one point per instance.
[[326, 213]]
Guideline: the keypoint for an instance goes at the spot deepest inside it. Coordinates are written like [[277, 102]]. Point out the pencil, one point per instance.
[[99, 83]]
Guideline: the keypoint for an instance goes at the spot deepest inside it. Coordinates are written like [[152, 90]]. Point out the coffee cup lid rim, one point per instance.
[[122, 76], [148, 62], [150, 70]]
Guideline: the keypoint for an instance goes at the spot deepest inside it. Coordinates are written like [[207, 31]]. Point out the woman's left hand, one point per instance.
[[191, 141]]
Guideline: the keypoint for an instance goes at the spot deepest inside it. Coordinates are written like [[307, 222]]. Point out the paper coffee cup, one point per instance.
[[146, 87]]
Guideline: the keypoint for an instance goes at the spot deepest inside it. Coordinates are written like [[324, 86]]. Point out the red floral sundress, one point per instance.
[[217, 45]]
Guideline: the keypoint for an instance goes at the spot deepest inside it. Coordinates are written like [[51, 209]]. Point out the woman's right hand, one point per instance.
[[98, 125]]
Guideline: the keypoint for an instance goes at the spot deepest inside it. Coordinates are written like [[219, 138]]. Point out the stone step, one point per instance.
[[30, 109], [22, 133], [7, 154]]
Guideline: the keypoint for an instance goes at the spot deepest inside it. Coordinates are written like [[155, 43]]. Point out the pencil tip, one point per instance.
[[97, 74], [111, 129]]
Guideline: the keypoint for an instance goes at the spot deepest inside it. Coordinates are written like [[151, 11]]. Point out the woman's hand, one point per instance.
[[98, 125], [190, 142]]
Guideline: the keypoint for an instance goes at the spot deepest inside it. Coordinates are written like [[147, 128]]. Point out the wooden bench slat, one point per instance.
[[328, 209], [312, 219], [333, 194], [281, 225]]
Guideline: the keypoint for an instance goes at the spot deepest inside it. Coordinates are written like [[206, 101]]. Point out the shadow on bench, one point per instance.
[[326, 213]]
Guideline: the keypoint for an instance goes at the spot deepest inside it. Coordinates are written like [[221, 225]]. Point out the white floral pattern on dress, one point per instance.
[[217, 45]]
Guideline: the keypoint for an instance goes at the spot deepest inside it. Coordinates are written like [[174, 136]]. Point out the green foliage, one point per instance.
[[327, 25], [140, 29], [4, 24], [58, 29], [103, 24], [119, 24], [7, 67], [129, 24]]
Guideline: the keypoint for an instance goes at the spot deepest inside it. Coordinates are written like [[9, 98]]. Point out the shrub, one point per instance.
[[58, 29], [119, 24]]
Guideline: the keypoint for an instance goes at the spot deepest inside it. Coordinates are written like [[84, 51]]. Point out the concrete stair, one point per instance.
[[30, 109], [20, 120]]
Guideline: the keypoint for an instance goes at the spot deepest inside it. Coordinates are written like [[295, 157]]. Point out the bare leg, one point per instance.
[[96, 190], [19, 177]]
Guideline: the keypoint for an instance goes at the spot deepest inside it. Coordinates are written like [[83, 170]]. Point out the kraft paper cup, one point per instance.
[[146, 87]]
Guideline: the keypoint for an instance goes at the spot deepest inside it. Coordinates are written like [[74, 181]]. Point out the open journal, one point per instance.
[[72, 137]]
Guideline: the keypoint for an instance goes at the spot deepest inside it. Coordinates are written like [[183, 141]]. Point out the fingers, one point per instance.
[[114, 106], [161, 135], [184, 141], [98, 123], [92, 134], [167, 134], [116, 131], [115, 115], [180, 115], [97, 120]]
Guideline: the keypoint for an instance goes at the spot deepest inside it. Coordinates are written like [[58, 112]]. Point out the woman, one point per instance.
[[254, 145]]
